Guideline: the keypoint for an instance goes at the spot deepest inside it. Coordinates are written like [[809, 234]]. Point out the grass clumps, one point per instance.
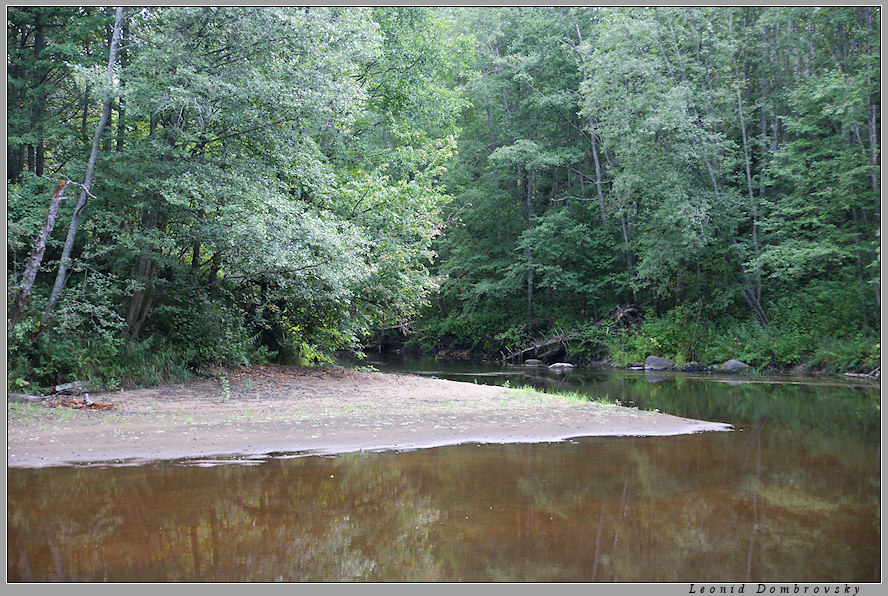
[[532, 394]]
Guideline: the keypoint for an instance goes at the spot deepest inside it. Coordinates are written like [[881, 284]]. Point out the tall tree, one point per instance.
[[107, 99]]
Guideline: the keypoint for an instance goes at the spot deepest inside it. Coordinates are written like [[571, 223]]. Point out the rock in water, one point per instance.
[[560, 366], [533, 362], [657, 363], [732, 365]]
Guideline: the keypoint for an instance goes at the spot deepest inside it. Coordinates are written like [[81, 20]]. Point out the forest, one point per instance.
[[194, 186]]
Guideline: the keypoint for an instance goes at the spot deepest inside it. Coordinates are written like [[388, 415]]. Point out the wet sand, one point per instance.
[[278, 409]]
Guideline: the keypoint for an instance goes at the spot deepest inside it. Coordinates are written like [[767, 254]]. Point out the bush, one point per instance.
[[860, 353], [591, 343], [205, 331], [85, 342], [677, 335], [475, 330]]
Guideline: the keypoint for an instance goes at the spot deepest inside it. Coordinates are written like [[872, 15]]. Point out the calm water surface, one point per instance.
[[792, 495]]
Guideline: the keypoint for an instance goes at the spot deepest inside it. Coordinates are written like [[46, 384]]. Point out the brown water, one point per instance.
[[770, 502]]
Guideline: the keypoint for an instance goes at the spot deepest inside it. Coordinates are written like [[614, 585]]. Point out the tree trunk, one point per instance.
[[24, 292], [121, 127], [137, 306], [15, 154], [140, 302], [748, 289], [492, 139], [36, 154], [861, 281], [85, 118], [754, 305], [597, 170], [527, 184], [752, 203], [13, 163], [90, 168], [121, 108], [630, 260], [763, 118]]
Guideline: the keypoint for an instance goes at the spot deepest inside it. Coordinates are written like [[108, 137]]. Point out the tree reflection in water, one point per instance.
[[757, 505]]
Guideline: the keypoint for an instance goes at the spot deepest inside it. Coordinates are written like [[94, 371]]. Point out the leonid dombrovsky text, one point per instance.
[[802, 589]]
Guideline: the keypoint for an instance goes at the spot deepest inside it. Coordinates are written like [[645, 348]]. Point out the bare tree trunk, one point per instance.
[[24, 293], [90, 168]]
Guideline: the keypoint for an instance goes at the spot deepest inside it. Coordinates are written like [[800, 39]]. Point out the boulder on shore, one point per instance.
[[657, 363], [732, 365], [533, 362]]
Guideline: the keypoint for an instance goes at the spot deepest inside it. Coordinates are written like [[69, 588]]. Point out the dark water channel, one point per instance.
[[792, 495]]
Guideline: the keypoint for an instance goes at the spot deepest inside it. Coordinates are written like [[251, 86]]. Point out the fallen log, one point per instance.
[[561, 338], [24, 398], [74, 387], [875, 374]]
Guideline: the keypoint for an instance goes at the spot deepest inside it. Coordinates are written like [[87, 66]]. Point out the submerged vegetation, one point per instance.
[[240, 185]]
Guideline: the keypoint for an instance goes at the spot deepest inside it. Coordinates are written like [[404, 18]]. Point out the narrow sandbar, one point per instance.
[[279, 409]]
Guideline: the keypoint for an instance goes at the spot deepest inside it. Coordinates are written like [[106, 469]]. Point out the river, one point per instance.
[[793, 494]]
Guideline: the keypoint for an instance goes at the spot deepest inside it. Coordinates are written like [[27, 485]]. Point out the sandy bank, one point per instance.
[[290, 409]]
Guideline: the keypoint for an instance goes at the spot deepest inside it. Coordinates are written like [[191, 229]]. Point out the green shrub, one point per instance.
[[678, 335], [475, 330], [860, 353], [591, 343]]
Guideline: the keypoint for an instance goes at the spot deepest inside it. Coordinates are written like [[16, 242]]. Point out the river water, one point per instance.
[[792, 495]]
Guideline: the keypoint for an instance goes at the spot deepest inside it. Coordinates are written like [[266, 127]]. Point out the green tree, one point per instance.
[[241, 206], [731, 155]]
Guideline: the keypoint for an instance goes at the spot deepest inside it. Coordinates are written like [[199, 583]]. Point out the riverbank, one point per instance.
[[267, 409]]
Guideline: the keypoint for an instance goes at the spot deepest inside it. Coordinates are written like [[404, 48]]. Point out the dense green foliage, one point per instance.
[[715, 168], [268, 187], [281, 183]]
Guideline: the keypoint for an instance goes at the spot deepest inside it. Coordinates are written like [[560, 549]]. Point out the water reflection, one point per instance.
[[794, 496], [758, 505], [829, 407]]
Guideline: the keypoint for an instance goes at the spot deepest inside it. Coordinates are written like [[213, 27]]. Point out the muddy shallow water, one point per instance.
[[792, 495]]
